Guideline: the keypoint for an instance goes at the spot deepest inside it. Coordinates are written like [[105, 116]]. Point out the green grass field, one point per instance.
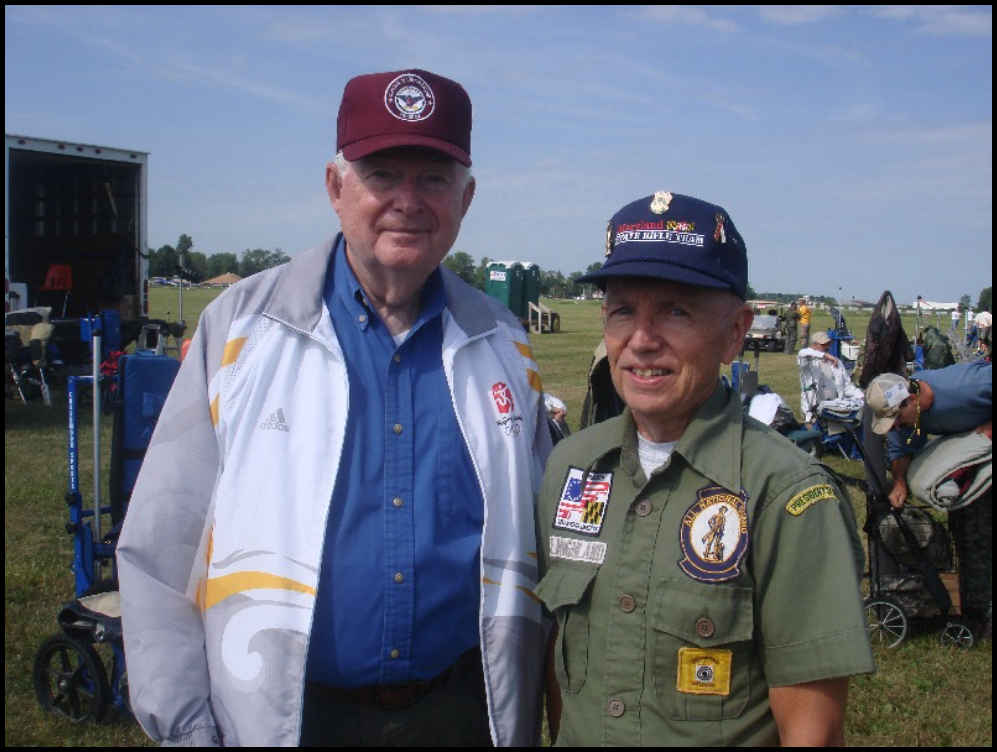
[[923, 694]]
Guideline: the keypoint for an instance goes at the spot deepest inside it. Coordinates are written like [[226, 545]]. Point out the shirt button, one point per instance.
[[616, 707], [628, 604], [398, 358], [395, 653], [398, 428], [705, 628], [397, 502], [644, 508], [399, 578], [362, 318]]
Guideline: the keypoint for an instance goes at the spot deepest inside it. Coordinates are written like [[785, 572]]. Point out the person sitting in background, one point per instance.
[[826, 388]]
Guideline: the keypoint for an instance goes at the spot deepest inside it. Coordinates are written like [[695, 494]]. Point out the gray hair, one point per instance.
[[343, 165]]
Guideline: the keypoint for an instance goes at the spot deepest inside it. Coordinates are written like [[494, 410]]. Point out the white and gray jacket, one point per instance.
[[220, 554]]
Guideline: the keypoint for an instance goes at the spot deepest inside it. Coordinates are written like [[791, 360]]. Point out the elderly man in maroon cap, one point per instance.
[[332, 539]]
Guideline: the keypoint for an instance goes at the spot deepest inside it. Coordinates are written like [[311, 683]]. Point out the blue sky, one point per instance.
[[851, 145]]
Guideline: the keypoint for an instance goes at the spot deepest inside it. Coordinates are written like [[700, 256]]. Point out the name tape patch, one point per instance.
[[572, 549]]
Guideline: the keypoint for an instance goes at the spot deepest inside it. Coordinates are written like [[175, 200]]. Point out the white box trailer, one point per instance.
[[79, 211]]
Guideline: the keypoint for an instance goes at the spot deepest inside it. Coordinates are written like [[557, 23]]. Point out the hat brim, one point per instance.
[[665, 270], [882, 425], [367, 146]]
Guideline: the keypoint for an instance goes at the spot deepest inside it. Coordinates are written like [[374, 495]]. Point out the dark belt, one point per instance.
[[392, 696]]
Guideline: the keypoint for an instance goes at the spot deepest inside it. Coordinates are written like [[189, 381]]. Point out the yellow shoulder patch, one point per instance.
[[806, 499]]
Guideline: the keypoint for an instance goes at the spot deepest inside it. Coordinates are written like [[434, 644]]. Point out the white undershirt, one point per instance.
[[654, 456]]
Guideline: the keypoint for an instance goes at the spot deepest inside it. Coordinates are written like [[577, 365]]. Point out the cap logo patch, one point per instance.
[[719, 235], [583, 502], [409, 98], [895, 395], [659, 232], [661, 201], [714, 535]]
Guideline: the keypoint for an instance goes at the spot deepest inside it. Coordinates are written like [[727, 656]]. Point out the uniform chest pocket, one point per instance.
[[564, 591], [705, 662]]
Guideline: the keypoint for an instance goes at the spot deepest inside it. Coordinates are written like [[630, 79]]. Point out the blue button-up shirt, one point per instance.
[[400, 583]]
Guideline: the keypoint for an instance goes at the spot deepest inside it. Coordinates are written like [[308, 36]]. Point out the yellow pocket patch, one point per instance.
[[704, 672], [803, 501]]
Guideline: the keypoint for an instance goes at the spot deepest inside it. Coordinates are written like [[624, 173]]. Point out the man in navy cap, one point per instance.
[[703, 572], [306, 557]]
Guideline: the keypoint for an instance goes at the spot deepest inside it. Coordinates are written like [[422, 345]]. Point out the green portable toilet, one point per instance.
[[505, 284], [531, 285]]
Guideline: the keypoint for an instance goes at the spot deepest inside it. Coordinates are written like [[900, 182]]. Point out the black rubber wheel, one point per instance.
[[70, 680], [956, 633], [886, 621], [555, 323]]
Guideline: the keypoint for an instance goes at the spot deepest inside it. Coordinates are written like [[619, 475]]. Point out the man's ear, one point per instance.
[[333, 185], [739, 325], [468, 196]]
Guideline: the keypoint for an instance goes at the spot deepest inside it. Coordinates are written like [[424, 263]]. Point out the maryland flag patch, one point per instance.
[[583, 502]]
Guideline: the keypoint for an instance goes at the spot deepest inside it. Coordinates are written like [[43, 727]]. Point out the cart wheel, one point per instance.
[[887, 622], [956, 633], [555, 323], [70, 680]]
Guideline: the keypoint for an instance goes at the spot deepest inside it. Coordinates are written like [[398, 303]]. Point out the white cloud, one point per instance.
[[687, 15], [943, 20], [793, 15]]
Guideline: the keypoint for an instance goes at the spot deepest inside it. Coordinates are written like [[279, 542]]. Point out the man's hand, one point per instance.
[[811, 715], [899, 494]]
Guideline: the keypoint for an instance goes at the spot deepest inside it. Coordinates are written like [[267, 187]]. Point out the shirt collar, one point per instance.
[[347, 288], [711, 443]]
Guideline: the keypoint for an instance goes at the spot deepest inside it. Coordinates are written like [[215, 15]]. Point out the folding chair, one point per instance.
[[59, 279]]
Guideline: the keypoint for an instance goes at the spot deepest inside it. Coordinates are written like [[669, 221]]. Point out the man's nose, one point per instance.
[[646, 333], [407, 196]]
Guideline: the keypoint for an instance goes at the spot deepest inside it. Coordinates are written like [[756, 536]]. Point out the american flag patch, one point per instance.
[[583, 502]]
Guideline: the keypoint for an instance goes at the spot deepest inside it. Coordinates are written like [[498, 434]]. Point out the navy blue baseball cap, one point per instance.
[[678, 238]]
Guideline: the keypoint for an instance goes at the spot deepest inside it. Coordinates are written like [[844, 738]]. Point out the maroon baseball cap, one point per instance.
[[404, 108]]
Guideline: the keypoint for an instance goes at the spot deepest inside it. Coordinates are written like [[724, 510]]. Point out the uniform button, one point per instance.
[[616, 707], [398, 427], [398, 358], [644, 508], [395, 653], [399, 578], [705, 628], [397, 502], [628, 604], [362, 318]]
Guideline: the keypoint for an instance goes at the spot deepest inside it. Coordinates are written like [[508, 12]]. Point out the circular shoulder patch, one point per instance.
[[714, 535], [409, 97]]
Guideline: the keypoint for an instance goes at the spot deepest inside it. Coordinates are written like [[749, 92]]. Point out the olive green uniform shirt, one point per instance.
[[681, 599]]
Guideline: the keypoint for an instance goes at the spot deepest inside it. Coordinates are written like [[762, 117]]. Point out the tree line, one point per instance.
[[183, 261]]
